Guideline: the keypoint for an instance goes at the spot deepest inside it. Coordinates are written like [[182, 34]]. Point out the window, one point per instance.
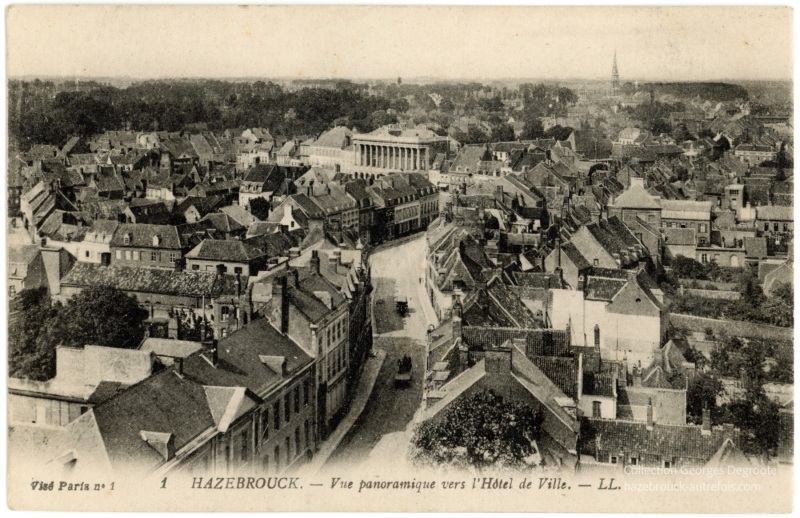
[[775, 227], [195, 267], [88, 254], [12, 291], [225, 313], [173, 256], [127, 255], [127, 239], [596, 262], [596, 409], [287, 410], [305, 392], [634, 461], [703, 227], [297, 398], [667, 464], [118, 254], [704, 258], [306, 429], [237, 269], [613, 459], [297, 441], [276, 412], [154, 256]]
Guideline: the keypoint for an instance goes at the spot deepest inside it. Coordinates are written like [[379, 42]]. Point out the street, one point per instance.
[[396, 271]]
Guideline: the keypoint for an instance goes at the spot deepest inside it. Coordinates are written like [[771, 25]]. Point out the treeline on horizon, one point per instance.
[[712, 91], [42, 112]]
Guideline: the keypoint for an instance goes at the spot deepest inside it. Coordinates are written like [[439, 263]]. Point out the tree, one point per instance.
[[259, 207], [681, 134], [532, 129], [480, 431], [99, 315], [28, 356], [702, 393], [558, 132], [503, 133]]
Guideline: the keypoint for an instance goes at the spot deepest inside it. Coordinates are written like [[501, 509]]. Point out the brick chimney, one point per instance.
[[315, 261], [280, 309]]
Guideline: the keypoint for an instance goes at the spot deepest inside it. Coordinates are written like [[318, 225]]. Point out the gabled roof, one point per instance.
[[222, 222], [240, 364], [335, 138], [141, 235], [224, 250], [663, 441], [636, 197]]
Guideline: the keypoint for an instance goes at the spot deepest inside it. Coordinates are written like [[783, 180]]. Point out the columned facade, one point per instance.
[[394, 157]]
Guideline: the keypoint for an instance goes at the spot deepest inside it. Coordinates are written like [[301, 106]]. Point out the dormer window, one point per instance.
[[156, 240], [127, 239]]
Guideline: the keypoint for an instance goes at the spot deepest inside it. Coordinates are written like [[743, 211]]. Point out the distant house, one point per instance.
[[154, 246], [226, 256], [262, 181]]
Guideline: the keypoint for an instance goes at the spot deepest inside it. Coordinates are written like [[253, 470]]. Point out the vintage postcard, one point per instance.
[[370, 258]]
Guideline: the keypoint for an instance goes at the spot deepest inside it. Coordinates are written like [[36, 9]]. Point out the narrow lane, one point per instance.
[[395, 272]]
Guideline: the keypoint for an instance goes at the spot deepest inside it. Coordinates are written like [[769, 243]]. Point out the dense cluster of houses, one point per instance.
[[258, 311], [542, 268]]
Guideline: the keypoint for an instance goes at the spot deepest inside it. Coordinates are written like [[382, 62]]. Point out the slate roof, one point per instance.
[[240, 363], [187, 283], [334, 138], [542, 281], [598, 384], [162, 403], [470, 157], [224, 250]]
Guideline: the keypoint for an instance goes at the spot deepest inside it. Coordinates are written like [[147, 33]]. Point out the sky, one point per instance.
[[668, 43]]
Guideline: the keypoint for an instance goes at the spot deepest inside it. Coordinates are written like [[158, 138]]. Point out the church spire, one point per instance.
[[615, 76]]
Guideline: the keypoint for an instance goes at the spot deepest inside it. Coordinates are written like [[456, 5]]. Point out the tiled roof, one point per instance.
[[224, 250], [538, 342], [668, 442], [775, 213], [598, 384], [598, 288], [562, 371], [151, 280], [544, 281], [140, 235], [685, 209], [636, 197], [222, 222]]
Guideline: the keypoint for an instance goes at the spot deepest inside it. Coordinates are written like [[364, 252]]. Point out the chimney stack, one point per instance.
[[315, 263], [637, 377], [650, 414], [279, 293]]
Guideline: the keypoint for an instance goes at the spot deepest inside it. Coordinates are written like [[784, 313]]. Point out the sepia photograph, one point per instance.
[[400, 258]]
